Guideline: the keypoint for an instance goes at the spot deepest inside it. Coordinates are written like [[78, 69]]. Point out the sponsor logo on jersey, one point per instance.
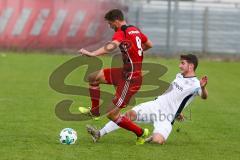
[[133, 32], [178, 86]]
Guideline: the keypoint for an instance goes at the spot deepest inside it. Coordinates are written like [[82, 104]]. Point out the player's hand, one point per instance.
[[180, 117], [84, 52], [203, 81]]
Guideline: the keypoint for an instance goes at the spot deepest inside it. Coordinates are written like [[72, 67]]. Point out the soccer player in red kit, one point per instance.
[[132, 42]]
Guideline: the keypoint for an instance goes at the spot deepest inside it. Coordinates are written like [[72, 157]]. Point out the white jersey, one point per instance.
[[180, 93], [163, 111]]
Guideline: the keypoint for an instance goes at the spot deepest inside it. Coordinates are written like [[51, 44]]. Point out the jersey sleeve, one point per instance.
[[199, 92], [118, 36], [178, 75], [143, 38]]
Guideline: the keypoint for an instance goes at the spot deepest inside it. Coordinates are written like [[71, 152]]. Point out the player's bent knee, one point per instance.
[[159, 142], [158, 138], [91, 78], [95, 77]]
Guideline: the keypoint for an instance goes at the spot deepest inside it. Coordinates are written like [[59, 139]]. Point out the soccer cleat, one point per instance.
[[141, 140], [96, 118], [95, 134], [84, 110], [149, 139]]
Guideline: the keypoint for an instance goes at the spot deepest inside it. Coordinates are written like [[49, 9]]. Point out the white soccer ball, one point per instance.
[[68, 136]]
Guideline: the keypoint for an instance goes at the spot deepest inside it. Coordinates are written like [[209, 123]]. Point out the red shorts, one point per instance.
[[125, 88]]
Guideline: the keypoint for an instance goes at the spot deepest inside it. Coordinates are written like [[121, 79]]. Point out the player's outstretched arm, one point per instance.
[[103, 50], [203, 83], [147, 45]]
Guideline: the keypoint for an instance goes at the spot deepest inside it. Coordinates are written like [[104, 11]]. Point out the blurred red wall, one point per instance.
[[48, 24]]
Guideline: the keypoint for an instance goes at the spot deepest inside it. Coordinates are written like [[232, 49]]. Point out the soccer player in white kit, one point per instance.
[[166, 108]]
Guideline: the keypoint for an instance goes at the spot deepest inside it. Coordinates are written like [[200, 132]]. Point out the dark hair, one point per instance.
[[190, 58], [114, 14]]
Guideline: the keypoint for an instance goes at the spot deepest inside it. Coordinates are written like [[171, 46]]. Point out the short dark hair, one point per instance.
[[114, 14], [190, 58]]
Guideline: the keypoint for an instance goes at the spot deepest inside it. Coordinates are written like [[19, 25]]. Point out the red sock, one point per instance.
[[95, 96], [127, 124]]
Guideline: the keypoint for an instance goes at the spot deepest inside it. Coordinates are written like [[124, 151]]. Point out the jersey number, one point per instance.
[[139, 45]]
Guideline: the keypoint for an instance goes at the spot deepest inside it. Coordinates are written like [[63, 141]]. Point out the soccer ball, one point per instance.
[[68, 136]]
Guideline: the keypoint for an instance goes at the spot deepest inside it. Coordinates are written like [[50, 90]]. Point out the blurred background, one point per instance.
[[201, 26], [205, 26], [39, 36]]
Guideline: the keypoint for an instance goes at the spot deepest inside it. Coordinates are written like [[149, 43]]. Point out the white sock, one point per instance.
[[109, 127]]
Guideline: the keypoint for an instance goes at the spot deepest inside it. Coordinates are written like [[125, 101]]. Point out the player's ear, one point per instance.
[[191, 66]]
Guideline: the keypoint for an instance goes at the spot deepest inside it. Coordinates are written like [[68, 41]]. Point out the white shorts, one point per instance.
[[151, 112]]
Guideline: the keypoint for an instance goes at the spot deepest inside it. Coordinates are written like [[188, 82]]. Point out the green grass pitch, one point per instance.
[[29, 128]]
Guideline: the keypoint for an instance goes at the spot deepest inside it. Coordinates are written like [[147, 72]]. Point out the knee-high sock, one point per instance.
[[109, 127], [94, 91], [127, 124]]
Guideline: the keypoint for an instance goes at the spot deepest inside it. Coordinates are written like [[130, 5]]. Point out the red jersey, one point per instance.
[[131, 40]]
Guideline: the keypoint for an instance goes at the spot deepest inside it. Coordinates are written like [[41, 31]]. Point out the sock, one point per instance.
[[127, 124], [109, 127], [94, 91]]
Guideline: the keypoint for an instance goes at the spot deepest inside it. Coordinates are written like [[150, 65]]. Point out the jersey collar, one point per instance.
[[188, 77]]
